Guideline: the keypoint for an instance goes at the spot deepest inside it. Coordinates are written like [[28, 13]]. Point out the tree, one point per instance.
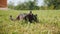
[[30, 5], [33, 5], [55, 3], [11, 5]]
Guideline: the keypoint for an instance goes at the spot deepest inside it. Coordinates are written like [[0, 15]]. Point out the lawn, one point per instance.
[[49, 22]]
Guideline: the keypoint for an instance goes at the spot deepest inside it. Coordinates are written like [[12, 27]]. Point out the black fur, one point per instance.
[[27, 17], [30, 18]]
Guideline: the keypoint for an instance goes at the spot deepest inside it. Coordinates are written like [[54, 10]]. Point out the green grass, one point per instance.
[[49, 22]]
